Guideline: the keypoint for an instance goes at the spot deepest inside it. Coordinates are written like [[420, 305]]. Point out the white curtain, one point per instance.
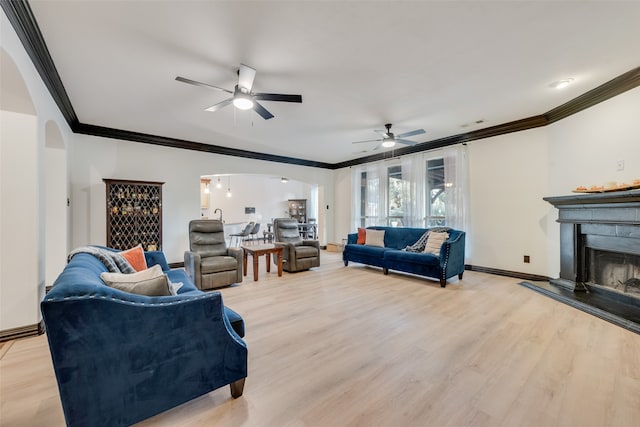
[[456, 187], [413, 170], [414, 189]]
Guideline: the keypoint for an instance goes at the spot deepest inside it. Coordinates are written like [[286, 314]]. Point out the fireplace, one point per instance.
[[615, 271], [600, 245]]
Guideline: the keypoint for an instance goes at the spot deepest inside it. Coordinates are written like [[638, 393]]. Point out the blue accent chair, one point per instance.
[[120, 358]]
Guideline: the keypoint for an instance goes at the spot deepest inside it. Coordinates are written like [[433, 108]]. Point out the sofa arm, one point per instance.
[[156, 258], [314, 243], [192, 267], [452, 256], [286, 251], [238, 254], [118, 362]]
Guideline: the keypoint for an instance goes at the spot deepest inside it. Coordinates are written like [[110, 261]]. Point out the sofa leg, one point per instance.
[[237, 388], [346, 263], [460, 276], [385, 271], [443, 283]]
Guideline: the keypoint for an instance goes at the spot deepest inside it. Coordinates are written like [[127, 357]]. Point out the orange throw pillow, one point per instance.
[[135, 256], [362, 236]]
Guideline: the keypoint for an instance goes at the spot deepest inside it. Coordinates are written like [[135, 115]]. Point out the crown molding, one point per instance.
[[614, 87], [144, 138], [21, 17]]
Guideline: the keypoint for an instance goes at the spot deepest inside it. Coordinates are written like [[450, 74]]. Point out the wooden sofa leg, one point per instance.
[[460, 276], [443, 283], [237, 388], [385, 271], [346, 263]]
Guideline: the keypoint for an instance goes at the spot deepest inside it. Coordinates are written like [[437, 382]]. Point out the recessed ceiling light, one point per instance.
[[561, 84]]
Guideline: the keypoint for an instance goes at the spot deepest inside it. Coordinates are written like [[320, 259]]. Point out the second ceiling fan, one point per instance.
[[389, 139], [242, 97]]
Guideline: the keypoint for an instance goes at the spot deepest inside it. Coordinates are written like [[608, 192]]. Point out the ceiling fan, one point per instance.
[[389, 139], [242, 97]]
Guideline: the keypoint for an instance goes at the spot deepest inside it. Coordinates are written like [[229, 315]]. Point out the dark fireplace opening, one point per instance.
[[616, 271]]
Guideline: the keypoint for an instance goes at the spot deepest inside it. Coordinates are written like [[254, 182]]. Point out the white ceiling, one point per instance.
[[358, 65]]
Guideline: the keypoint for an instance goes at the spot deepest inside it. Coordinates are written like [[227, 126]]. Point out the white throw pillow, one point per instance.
[[375, 238], [434, 242], [150, 282]]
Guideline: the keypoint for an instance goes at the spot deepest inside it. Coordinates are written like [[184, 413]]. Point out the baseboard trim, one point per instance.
[[508, 273], [22, 332]]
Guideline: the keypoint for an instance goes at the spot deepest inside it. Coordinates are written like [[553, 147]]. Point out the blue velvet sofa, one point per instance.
[[450, 262], [120, 358]]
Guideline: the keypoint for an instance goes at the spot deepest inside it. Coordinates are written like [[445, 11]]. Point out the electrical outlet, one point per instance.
[[620, 165], [527, 259]]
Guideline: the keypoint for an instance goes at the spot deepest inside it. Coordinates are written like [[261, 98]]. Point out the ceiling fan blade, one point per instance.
[[376, 147], [262, 111], [246, 75], [195, 83], [368, 140], [405, 141], [412, 133], [383, 133], [219, 105], [278, 97]]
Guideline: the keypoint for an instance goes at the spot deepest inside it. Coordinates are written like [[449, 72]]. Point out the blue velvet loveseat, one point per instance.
[[120, 357], [449, 263]]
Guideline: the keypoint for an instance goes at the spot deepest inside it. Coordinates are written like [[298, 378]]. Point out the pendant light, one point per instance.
[[229, 188], [219, 184]]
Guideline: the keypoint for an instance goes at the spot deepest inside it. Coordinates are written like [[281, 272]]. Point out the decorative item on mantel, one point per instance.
[[608, 186]]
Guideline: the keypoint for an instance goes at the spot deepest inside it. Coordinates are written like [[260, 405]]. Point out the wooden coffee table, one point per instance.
[[256, 251]]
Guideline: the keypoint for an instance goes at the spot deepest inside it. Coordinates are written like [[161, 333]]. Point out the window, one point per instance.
[[368, 200], [422, 190], [396, 187], [436, 196]]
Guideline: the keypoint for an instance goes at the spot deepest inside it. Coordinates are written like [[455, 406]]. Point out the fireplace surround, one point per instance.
[[600, 248]]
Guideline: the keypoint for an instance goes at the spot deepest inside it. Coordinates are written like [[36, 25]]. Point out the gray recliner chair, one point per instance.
[[208, 262], [298, 254]]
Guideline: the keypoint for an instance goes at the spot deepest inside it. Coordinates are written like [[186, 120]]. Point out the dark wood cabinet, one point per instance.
[[134, 214], [298, 209]]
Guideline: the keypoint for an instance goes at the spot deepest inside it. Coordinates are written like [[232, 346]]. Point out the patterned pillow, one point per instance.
[[434, 242]]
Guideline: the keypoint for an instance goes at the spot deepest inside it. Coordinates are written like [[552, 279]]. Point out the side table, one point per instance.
[[267, 250]]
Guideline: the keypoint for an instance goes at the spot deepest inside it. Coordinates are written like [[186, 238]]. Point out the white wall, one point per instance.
[[94, 159], [20, 248], [27, 107], [508, 177]]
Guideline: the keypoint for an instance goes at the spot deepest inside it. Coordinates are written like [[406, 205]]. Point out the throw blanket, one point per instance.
[[114, 262], [422, 241]]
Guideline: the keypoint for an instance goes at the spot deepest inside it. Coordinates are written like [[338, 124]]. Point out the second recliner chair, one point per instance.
[[209, 263], [298, 254]]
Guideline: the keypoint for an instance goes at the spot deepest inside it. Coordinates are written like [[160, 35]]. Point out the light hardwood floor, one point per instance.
[[340, 346]]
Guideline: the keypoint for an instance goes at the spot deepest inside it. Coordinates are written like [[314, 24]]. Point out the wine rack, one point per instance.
[[134, 214]]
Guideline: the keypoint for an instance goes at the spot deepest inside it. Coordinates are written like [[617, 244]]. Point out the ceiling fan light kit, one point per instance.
[[243, 98], [389, 139], [388, 142]]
